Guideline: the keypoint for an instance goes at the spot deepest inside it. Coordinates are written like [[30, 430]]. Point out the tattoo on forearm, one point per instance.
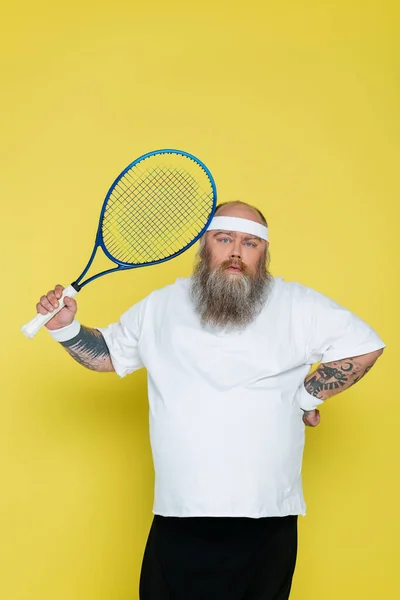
[[89, 349], [331, 378]]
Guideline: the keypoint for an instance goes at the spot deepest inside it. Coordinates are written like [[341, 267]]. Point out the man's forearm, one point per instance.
[[90, 350], [334, 377]]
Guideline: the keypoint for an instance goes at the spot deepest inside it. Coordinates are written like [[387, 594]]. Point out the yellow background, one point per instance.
[[294, 106]]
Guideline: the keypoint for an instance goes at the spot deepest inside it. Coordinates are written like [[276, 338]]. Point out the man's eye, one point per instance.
[[250, 244], [224, 240]]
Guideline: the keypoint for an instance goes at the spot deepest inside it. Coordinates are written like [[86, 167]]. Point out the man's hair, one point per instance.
[[264, 220]]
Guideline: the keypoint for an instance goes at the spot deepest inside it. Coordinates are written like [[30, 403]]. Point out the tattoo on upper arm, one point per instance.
[[89, 349], [335, 376], [362, 374]]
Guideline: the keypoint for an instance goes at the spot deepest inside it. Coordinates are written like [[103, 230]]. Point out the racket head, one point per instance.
[[156, 208]]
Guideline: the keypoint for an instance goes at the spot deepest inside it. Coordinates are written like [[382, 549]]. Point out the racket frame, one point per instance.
[[99, 241]]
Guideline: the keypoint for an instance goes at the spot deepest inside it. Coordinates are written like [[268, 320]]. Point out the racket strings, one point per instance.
[[176, 190], [124, 221], [153, 213], [168, 238], [126, 191]]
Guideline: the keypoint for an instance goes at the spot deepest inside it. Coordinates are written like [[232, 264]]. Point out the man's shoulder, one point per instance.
[[306, 297], [170, 295], [173, 291], [295, 291], [282, 286], [181, 284]]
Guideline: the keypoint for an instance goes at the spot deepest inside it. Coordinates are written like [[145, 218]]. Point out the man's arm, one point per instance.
[[87, 346], [89, 349], [334, 377]]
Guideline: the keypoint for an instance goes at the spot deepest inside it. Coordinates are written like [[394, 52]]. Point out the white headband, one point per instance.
[[239, 224]]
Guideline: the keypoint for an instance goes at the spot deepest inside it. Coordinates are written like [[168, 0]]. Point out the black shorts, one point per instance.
[[219, 558]]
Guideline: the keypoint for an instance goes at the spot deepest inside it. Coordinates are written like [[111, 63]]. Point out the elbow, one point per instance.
[[378, 353], [372, 357]]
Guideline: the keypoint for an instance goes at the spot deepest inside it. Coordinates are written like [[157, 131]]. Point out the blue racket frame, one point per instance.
[[99, 242]]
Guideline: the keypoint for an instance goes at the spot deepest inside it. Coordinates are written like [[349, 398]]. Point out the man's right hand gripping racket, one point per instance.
[[156, 209]]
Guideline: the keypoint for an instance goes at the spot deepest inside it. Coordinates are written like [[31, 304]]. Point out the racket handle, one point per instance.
[[30, 329]]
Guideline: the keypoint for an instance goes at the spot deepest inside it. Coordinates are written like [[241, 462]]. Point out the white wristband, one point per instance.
[[305, 400], [66, 333]]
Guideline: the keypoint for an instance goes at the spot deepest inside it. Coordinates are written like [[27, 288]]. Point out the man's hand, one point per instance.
[[311, 418], [50, 301]]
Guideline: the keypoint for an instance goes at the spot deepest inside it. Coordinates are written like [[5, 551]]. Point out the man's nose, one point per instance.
[[236, 253]]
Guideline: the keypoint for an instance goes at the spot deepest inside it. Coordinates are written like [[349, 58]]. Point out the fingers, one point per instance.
[[49, 302], [311, 418], [70, 303], [58, 290]]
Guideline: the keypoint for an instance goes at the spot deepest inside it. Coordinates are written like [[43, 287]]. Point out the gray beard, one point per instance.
[[227, 301]]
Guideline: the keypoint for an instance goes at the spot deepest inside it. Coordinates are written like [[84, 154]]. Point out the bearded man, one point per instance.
[[228, 353]]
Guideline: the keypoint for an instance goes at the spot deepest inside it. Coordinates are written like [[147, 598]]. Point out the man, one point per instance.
[[228, 352]]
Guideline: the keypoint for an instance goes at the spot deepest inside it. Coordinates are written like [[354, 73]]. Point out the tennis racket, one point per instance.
[[156, 209]]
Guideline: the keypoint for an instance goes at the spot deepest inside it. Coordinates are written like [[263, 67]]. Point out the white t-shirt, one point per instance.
[[226, 425]]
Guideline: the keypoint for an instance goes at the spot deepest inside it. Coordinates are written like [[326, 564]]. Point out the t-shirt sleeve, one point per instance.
[[122, 339], [334, 332]]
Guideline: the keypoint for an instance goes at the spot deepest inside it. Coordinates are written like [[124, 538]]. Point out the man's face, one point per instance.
[[231, 280], [233, 251]]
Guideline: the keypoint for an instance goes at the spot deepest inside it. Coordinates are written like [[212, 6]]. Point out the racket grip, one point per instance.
[[30, 329]]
